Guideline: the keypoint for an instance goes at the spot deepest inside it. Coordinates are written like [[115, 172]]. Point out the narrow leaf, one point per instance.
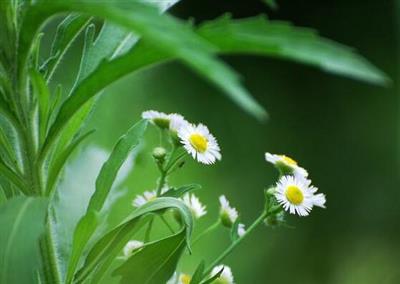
[[257, 35], [60, 161], [155, 263], [110, 245], [43, 97], [198, 274], [178, 192], [67, 31], [104, 182]]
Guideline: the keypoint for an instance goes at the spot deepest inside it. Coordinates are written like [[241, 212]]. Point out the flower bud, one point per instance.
[[159, 154]]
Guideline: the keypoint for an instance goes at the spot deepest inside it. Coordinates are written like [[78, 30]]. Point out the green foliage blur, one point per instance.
[[343, 131]]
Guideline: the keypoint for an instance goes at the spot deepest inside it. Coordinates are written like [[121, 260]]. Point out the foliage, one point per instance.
[[41, 123]]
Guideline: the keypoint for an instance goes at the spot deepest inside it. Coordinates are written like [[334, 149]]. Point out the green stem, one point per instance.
[[210, 229], [225, 253], [50, 271]]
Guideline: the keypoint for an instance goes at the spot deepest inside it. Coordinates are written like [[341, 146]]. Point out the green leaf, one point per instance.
[[279, 39], [43, 96], [104, 182], [198, 274], [178, 192], [60, 160], [22, 221], [13, 177], [67, 31], [165, 33], [154, 263], [271, 3], [110, 245], [214, 277], [234, 230]]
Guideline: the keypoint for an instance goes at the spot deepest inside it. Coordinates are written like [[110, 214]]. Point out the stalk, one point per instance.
[[234, 244]]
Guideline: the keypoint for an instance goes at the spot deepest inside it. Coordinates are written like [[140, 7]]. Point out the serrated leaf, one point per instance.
[[110, 245], [22, 221], [178, 192], [257, 35], [104, 182], [154, 263]]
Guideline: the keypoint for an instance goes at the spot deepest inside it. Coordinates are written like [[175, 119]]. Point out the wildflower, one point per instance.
[[200, 143], [285, 164], [226, 276], [177, 121], [296, 195], [241, 230], [227, 213], [157, 118], [184, 279], [147, 196], [198, 210], [131, 246]]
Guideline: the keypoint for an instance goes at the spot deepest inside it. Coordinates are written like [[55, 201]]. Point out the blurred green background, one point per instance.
[[344, 132]]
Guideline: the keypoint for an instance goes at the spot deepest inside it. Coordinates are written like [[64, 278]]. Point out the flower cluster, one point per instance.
[[293, 192], [196, 139]]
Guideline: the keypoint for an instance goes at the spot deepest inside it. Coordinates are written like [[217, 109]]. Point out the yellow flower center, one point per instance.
[[294, 195], [185, 279], [288, 160], [199, 142]]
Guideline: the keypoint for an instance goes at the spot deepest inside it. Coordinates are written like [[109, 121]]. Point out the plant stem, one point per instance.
[[50, 270], [225, 253], [210, 229]]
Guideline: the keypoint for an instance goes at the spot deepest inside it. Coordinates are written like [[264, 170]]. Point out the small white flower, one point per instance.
[[226, 276], [227, 213], [157, 118], [198, 210], [131, 246], [177, 121], [147, 196], [296, 195], [200, 143], [282, 161], [184, 279], [241, 230]]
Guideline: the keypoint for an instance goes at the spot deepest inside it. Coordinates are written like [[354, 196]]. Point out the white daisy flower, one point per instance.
[[226, 276], [241, 230], [285, 163], [200, 143], [176, 122], [227, 213], [160, 119], [296, 195], [131, 246], [198, 210], [147, 196]]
